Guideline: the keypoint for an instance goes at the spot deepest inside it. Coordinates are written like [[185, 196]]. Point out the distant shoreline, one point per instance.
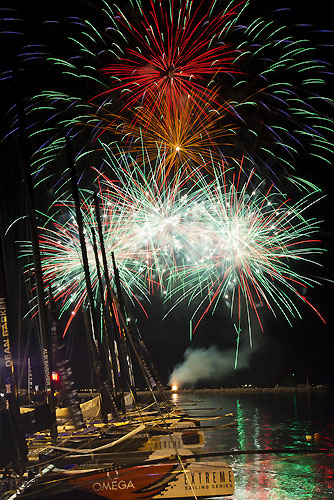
[[234, 390], [228, 390]]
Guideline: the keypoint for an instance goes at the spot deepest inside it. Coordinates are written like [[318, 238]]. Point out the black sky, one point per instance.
[[306, 349]]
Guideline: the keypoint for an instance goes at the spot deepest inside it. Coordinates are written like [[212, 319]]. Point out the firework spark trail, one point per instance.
[[195, 240], [153, 210], [173, 49], [183, 136], [284, 109], [143, 227], [62, 261], [276, 95], [200, 240], [249, 242]]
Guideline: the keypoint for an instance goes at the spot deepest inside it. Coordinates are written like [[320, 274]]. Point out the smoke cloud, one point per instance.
[[207, 364]]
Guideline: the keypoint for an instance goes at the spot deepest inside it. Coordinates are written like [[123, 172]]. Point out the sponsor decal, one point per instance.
[[5, 334], [207, 480], [112, 485]]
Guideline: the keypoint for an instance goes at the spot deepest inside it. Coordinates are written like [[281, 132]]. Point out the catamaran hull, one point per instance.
[[144, 482], [164, 481]]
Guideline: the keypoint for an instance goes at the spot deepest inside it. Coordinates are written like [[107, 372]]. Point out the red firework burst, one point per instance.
[[173, 51]]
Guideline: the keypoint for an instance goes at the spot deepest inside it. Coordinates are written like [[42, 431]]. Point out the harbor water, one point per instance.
[[272, 421]]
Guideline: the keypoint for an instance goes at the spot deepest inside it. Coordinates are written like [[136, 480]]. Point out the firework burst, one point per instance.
[[158, 79], [282, 85], [195, 239], [144, 226], [186, 135], [275, 94], [251, 240], [170, 50]]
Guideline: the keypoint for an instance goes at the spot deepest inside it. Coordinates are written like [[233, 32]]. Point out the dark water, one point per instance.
[[273, 421]]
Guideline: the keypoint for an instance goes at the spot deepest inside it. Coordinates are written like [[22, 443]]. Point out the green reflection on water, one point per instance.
[[241, 429], [275, 421], [273, 477]]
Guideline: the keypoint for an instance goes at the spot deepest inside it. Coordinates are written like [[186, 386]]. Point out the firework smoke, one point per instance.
[[206, 364]]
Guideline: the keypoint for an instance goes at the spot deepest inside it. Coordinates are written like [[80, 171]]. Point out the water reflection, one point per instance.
[[274, 421]]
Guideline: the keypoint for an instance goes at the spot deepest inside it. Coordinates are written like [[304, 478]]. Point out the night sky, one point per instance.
[[281, 353]]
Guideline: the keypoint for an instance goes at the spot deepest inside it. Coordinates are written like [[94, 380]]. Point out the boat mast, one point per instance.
[[69, 393], [29, 379], [11, 392], [107, 350], [137, 342], [124, 373], [16, 435], [25, 154], [107, 400], [122, 307]]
